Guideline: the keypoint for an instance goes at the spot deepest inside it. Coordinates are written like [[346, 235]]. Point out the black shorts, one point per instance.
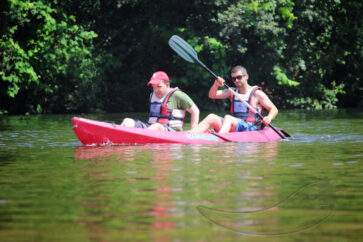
[[140, 124], [143, 125]]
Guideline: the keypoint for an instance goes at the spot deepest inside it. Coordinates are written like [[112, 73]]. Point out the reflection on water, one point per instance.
[[146, 171]]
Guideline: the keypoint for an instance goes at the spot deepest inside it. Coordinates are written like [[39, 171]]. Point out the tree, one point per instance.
[[69, 56], [46, 60], [307, 52]]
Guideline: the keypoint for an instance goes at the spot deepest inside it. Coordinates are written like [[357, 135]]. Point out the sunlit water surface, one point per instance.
[[307, 189]]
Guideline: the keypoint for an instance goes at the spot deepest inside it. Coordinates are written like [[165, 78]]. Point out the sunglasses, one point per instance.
[[237, 77]]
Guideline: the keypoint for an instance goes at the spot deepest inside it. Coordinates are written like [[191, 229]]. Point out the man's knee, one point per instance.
[[128, 122], [212, 117]]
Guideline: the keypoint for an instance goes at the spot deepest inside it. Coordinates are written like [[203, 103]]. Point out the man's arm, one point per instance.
[[194, 116], [214, 93], [265, 101]]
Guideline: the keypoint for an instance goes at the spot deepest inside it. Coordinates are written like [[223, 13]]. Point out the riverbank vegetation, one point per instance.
[[91, 56]]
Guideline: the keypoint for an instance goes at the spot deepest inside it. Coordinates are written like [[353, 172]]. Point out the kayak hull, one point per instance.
[[92, 132]]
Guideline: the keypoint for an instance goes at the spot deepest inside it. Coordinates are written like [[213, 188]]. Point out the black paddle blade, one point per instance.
[[183, 49]]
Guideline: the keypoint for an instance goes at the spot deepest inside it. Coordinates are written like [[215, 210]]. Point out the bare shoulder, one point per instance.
[[260, 94], [264, 100]]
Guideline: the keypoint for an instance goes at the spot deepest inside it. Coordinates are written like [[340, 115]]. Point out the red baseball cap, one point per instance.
[[157, 77]]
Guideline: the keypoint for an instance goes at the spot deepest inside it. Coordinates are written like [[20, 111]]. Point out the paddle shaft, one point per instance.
[[234, 93]]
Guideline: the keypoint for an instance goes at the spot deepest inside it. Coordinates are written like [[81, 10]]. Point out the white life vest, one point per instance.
[[160, 113]]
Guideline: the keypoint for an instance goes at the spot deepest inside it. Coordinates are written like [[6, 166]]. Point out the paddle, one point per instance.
[[184, 50]]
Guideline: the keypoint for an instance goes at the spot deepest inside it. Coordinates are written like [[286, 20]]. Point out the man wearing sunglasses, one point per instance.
[[241, 117]]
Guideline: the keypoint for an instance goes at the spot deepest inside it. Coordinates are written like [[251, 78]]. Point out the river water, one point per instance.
[[309, 188]]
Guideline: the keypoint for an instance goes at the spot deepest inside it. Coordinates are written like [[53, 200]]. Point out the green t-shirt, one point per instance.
[[180, 100]]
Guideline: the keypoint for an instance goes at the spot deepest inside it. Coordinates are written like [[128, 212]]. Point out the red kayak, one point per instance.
[[91, 132]]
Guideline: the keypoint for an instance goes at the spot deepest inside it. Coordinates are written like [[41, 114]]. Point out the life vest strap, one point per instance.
[[161, 113], [158, 115]]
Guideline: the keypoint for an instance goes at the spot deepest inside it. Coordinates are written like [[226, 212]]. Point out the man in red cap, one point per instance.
[[167, 107]]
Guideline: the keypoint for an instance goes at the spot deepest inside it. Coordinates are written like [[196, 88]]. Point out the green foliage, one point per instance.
[[330, 95], [45, 58], [300, 39], [327, 101], [82, 56], [320, 43], [15, 67], [286, 12], [283, 79]]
